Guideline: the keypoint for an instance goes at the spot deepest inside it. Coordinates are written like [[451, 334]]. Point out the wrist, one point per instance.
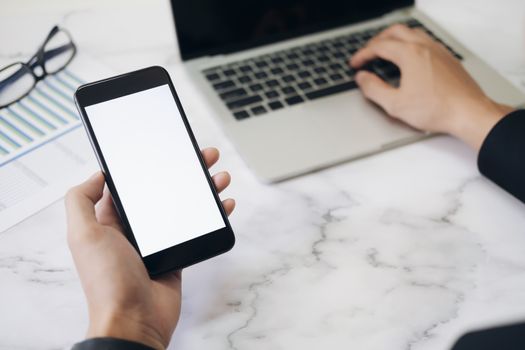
[[126, 328], [473, 122]]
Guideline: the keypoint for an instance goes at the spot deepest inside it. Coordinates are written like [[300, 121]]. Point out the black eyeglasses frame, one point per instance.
[[38, 60]]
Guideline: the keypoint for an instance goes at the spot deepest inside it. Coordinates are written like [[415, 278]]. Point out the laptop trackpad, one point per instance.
[[317, 134]]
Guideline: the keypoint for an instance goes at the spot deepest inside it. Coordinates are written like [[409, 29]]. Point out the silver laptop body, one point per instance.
[[317, 133]]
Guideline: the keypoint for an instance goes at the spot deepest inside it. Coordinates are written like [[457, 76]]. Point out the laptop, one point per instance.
[[276, 74]]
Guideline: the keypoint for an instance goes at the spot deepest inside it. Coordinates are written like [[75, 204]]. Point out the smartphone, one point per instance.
[[154, 170]]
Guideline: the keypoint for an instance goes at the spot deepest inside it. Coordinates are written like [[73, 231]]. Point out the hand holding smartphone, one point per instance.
[[160, 186]]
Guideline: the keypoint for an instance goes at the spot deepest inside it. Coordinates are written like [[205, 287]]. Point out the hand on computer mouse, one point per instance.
[[123, 301], [435, 92]]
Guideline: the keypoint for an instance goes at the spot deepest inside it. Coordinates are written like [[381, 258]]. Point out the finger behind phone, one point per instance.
[[80, 200]]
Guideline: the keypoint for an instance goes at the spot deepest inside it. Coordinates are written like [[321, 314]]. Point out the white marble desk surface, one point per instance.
[[404, 250]]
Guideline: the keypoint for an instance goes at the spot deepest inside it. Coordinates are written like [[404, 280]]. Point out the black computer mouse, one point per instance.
[[386, 70]]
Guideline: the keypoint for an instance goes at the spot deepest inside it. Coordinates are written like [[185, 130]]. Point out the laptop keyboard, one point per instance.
[[285, 78]]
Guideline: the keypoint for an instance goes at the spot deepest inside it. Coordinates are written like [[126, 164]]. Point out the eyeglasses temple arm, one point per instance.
[[52, 53]]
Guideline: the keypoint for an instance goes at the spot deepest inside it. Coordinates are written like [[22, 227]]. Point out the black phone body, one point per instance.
[[160, 185]]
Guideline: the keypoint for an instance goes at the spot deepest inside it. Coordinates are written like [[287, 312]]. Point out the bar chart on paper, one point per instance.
[[43, 148]]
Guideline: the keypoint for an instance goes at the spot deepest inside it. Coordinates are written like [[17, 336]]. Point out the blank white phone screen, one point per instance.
[[157, 175]]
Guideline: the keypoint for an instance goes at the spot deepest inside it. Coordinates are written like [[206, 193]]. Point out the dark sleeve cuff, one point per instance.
[[502, 155], [109, 344], [510, 337]]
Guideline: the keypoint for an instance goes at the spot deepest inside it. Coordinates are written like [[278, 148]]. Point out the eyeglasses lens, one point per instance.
[[16, 80]]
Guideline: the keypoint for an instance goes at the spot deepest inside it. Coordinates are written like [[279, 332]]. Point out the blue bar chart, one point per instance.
[[47, 113]]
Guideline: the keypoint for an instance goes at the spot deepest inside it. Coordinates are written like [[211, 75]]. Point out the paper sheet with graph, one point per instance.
[[43, 147], [45, 114]]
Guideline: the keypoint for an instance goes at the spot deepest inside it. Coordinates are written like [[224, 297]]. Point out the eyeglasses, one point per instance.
[[18, 79]]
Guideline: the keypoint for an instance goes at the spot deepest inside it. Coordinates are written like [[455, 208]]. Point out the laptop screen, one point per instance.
[[209, 27]]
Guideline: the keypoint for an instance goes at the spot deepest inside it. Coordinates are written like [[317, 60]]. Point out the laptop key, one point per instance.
[[288, 78], [320, 81], [351, 50], [320, 70], [256, 87], [350, 72], [271, 94], [258, 110], [308, 62], [331, 90], [223, 85], [292, 66], [336, 77], [276, 71], [304, 74], [212, 77], [275, 105], [261, 75], [272, 83], [367, 36], [308, 52], [231, 94], [336, 66], [229, 72], [241, 115], [245, 69], [288, 90], [245, 79], [261, 64], [244, 102], [294, 100], [304, 85]]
